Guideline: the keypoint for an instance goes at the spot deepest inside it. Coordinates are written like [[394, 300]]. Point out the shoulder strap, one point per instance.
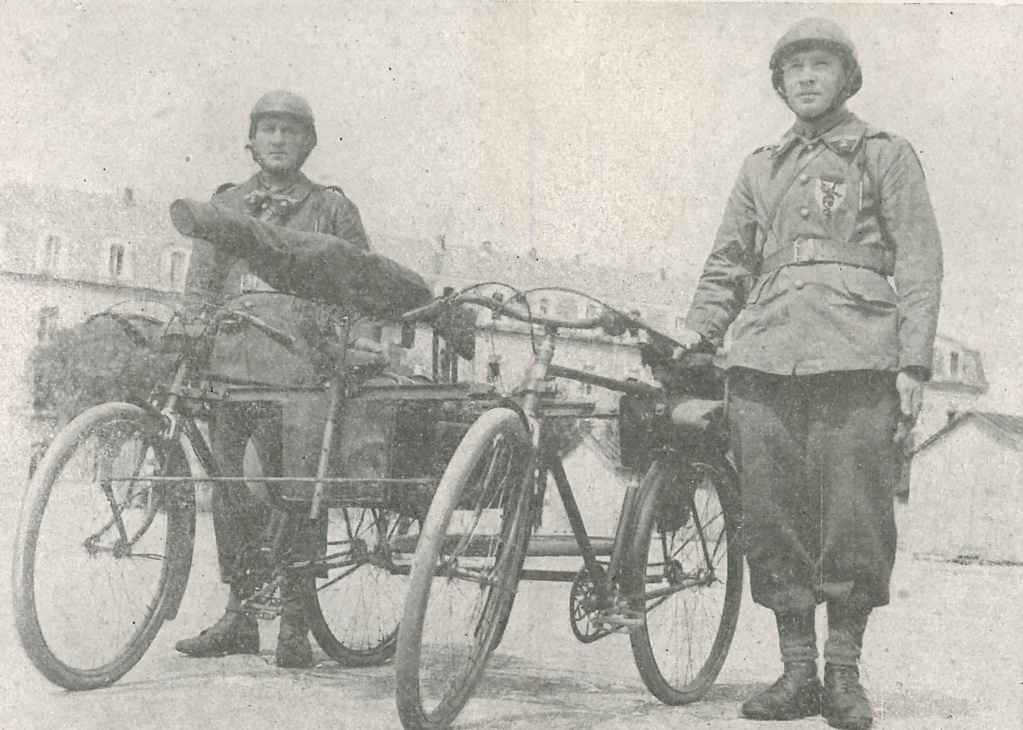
[[226, 186]]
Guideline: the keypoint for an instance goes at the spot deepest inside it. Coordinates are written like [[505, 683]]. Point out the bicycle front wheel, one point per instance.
[[104, 546], [685, 574], [465, 571], [354, 611]]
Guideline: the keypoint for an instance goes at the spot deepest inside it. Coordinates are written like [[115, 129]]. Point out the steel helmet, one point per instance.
[[282, 102], [817, 33]]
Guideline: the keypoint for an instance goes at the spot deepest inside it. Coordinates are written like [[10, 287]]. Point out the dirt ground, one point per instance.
[[945, 654]]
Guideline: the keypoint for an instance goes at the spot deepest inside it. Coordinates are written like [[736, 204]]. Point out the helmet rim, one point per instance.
[[816, 33], [282, 103]]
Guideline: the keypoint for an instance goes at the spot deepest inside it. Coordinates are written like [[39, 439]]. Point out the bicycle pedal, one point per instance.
[[264, 611], [620, 621]]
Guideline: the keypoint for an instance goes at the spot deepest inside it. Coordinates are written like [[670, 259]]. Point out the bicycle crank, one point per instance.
[[584, 602]]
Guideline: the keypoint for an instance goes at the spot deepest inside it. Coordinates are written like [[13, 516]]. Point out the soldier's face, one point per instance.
[[812, 81], [281, 144]]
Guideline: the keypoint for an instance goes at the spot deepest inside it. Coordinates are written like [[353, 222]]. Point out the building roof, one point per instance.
[[1006, 426], [624, 287]]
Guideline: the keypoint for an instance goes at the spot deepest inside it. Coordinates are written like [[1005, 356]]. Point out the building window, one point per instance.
[[50, 260], [953, 364], [591, 311], [680, 323], [173, 265], [494, 371], [544, 307], [176, 269], [250, 282], [48, 319], [115, 265]]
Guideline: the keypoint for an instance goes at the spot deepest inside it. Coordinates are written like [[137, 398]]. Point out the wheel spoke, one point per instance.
[[690, 581], [99, 552], [464, 577]]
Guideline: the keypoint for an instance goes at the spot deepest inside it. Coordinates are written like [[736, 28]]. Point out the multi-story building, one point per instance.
[[574, 289], [956, 384], [65, 255]]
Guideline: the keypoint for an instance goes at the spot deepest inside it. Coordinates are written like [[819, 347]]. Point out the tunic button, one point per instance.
[[804, 178], [805, 212], [799, 283]]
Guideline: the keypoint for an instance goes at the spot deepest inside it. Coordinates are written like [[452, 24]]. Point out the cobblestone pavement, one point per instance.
[[946, 654]]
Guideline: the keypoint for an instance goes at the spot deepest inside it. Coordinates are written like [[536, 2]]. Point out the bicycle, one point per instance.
[[105, 540], [675, 546]]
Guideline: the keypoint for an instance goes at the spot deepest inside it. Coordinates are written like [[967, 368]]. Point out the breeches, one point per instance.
[[818, 466], [243, 523]]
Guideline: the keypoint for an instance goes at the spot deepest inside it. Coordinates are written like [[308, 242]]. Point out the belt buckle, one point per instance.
[[803, 250]]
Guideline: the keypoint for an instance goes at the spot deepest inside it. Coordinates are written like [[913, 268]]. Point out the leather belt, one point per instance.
[[818, 250]]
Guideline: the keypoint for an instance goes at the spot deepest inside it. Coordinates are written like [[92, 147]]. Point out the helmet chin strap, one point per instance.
[[256, 158]]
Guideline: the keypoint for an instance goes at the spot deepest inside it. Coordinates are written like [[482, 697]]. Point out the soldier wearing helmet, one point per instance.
[[282, 133], [827, 268]]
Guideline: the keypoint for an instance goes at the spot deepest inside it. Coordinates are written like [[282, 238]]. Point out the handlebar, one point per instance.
[[204, 324], [656, 346], [270, 331]]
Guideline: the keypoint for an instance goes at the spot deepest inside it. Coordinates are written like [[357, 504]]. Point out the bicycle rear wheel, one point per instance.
[[103, 549], [686, 563], [465, 572], [355, 611]]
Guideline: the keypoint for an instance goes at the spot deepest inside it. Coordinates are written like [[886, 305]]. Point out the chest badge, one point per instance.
[[829, 195]]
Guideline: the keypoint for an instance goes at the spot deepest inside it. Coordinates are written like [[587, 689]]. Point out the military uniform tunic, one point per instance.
[[827, 266], [215, 276]]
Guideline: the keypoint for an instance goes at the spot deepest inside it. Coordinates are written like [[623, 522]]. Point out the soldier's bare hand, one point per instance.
[[911, 399]]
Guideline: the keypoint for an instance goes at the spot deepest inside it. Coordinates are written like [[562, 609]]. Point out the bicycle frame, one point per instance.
[[539, 383], [535, 408]]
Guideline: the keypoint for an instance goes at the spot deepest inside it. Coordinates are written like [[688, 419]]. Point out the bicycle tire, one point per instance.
[[677, 664], [60, 613], [354, 614], [495, 460]]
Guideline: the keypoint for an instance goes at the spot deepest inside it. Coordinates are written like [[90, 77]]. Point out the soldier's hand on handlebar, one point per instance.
[[688, 340]]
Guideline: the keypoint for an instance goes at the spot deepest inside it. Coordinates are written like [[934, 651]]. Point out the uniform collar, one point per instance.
[[839, 130], [259, 196], [296, 192]]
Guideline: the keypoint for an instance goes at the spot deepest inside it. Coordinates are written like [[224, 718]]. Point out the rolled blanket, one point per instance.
[[309, 265]]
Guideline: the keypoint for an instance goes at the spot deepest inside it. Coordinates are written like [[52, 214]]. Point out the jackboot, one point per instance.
[[797, 693], [845, 702], [293, 648], [233, 633]]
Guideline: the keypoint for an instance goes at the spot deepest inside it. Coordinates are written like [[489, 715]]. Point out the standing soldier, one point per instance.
[[281, 136], [826, 365]]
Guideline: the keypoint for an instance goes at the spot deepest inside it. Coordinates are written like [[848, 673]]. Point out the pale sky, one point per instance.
[[606, 129]]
